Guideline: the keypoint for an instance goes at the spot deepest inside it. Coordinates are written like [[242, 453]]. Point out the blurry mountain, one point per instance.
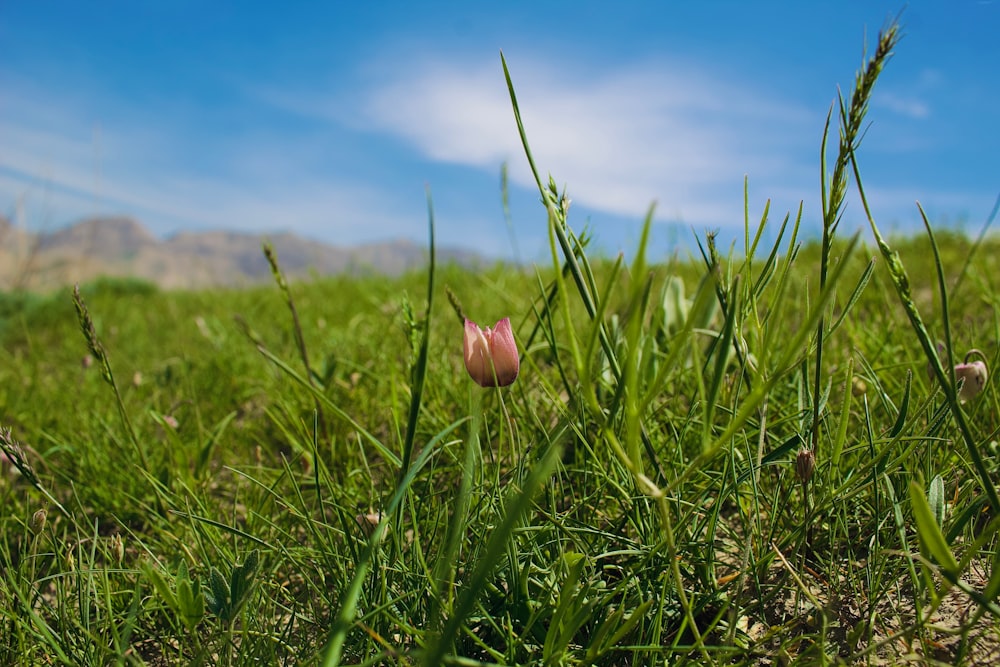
[[122, 247], [105, 239]]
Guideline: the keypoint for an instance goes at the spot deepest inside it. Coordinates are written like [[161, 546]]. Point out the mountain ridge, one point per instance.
[[120, 246]]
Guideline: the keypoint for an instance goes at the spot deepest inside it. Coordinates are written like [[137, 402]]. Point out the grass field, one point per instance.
[[757, 455]]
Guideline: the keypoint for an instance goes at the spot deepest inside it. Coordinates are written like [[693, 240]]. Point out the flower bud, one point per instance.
[[972, 377], [118, 548], [491, 355], [805, 463], [38, 521]]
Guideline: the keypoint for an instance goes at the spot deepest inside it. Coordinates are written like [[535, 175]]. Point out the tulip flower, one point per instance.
[[491, 354]]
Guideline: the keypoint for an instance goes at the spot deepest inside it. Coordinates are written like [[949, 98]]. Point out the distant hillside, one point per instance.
[[123, 247]]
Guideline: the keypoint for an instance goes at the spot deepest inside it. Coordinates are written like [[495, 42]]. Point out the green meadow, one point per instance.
[[756, 454]]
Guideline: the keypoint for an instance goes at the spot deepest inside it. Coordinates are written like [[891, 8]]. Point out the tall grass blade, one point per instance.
[[279, 277], [419, 371], [931, 539], [345, 616], [518, 504]]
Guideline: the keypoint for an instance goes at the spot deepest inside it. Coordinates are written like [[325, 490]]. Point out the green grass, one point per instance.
[[734, 458]]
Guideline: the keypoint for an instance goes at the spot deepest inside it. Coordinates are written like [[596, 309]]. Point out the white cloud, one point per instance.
[[619, 138], [910, 107], [60, 167]]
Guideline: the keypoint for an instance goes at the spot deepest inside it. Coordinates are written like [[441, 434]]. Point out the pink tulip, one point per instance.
[[491, 354]]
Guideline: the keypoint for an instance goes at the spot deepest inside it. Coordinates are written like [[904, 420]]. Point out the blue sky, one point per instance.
[[329, 119]]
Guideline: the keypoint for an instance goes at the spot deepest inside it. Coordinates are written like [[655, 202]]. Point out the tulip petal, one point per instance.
[[503, 350], [477, 354]]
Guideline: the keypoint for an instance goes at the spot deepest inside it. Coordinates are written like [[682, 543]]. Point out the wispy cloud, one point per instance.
[[64, 161], [621, 138], [910, 107]]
